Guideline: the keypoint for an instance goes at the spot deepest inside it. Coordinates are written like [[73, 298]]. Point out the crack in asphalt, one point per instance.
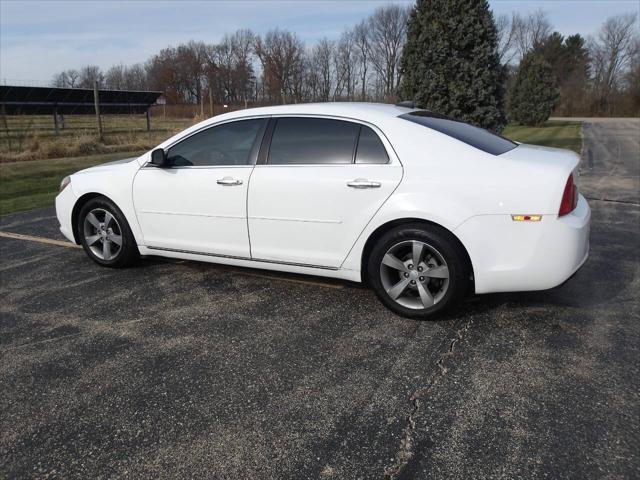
[[405, 450], [624, 202]]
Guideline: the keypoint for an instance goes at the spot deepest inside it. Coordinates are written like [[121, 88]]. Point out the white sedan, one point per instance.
[[422, 207]]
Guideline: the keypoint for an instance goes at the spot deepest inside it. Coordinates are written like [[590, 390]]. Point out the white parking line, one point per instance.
[[30, 238]]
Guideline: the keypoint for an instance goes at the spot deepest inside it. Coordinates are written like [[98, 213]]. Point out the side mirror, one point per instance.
[[159, 158]]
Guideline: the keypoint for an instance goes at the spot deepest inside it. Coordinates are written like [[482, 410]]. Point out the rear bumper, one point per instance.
[[510, 256], [64, 210]]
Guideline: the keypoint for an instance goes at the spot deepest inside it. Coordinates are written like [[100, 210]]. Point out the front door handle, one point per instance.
[[228, 181], [363, 183]]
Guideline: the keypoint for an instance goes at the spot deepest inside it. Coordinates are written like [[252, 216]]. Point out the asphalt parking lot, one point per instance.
[[180, 370]]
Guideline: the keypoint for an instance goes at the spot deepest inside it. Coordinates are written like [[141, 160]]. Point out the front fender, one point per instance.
[[113, 183]]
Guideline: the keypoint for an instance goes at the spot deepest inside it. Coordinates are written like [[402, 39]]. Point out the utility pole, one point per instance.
[[96, 102]]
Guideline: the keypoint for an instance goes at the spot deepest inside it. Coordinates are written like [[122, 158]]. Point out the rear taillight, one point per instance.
[[569, 197]]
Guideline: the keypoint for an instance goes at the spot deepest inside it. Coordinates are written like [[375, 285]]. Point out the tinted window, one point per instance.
[[469, 134], [312, 141], [226, 144], [370, 148]]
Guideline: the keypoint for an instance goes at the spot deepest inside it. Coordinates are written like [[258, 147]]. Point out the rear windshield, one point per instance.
[[475, 136]]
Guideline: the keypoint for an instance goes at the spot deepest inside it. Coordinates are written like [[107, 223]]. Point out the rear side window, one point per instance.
[[471, 135], [304, 141], [370, 148]]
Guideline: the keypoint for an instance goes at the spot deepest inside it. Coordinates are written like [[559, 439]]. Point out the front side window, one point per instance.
[[224, 145], [304, 141]]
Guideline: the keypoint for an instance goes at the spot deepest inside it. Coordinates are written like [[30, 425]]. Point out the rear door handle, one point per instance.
[[363, 183], [228, 181]]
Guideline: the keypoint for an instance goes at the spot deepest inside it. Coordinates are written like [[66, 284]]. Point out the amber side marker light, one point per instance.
[[526, 218]]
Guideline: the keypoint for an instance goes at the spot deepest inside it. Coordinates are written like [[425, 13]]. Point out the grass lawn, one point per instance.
[[560, 134], [34, 184]]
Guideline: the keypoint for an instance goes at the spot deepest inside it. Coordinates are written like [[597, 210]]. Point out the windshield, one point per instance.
[[471, 135]]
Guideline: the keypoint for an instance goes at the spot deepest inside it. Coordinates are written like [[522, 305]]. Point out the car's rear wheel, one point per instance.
[[105, 234], [418, 270]]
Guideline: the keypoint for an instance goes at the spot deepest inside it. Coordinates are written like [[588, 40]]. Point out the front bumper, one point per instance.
[[65, 201], [510, 256]]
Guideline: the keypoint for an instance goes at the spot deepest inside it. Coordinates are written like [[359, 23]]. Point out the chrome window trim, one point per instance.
[[149, 165]]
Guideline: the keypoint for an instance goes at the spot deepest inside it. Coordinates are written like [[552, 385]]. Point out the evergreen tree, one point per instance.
[[569, 61], [534, 93], [450, 62]]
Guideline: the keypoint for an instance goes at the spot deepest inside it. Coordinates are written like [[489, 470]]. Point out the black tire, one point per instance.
[[449, 249], [127, 252]]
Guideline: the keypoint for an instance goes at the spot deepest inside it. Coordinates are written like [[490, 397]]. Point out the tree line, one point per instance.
[[276, 67], [573, 75], [368, 62]]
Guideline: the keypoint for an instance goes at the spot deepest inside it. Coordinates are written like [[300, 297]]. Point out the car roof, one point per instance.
[[372, 112], [378, 114]]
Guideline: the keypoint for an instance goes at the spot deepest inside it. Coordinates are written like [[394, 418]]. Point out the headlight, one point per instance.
[[65, 181]]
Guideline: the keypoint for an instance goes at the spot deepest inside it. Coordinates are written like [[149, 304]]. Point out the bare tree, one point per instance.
[[60, 80], [190, 63], [612, 53], [135, 78], [506, 39], [65, 79], [321, 60], [242, 47], [90, 74], [361, 41], [387, 35], [179, 72], [632, 81], [162, 75], [114, 79], [529, 31], [72, 78], [281, 55], [220, 62], [345, 66]]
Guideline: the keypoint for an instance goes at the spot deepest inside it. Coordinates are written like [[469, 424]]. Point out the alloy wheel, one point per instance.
[[102, 234], [414, 274]]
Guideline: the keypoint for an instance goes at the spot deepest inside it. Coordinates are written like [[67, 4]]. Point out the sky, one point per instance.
[[40, 38]]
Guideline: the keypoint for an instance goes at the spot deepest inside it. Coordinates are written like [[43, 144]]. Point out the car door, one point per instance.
[[315, 188], [199, 203]]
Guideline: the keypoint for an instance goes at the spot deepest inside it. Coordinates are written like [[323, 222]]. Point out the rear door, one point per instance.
[[315, 188]]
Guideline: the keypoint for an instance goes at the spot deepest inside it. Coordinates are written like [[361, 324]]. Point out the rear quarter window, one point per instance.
[[370, 148], [471, 135]]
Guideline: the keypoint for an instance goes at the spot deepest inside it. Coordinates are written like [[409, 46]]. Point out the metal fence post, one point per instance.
[[56, 129], [96, 101]]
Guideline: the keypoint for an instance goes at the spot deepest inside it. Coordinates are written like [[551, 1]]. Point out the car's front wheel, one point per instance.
[[418, 270], [105, 234]]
